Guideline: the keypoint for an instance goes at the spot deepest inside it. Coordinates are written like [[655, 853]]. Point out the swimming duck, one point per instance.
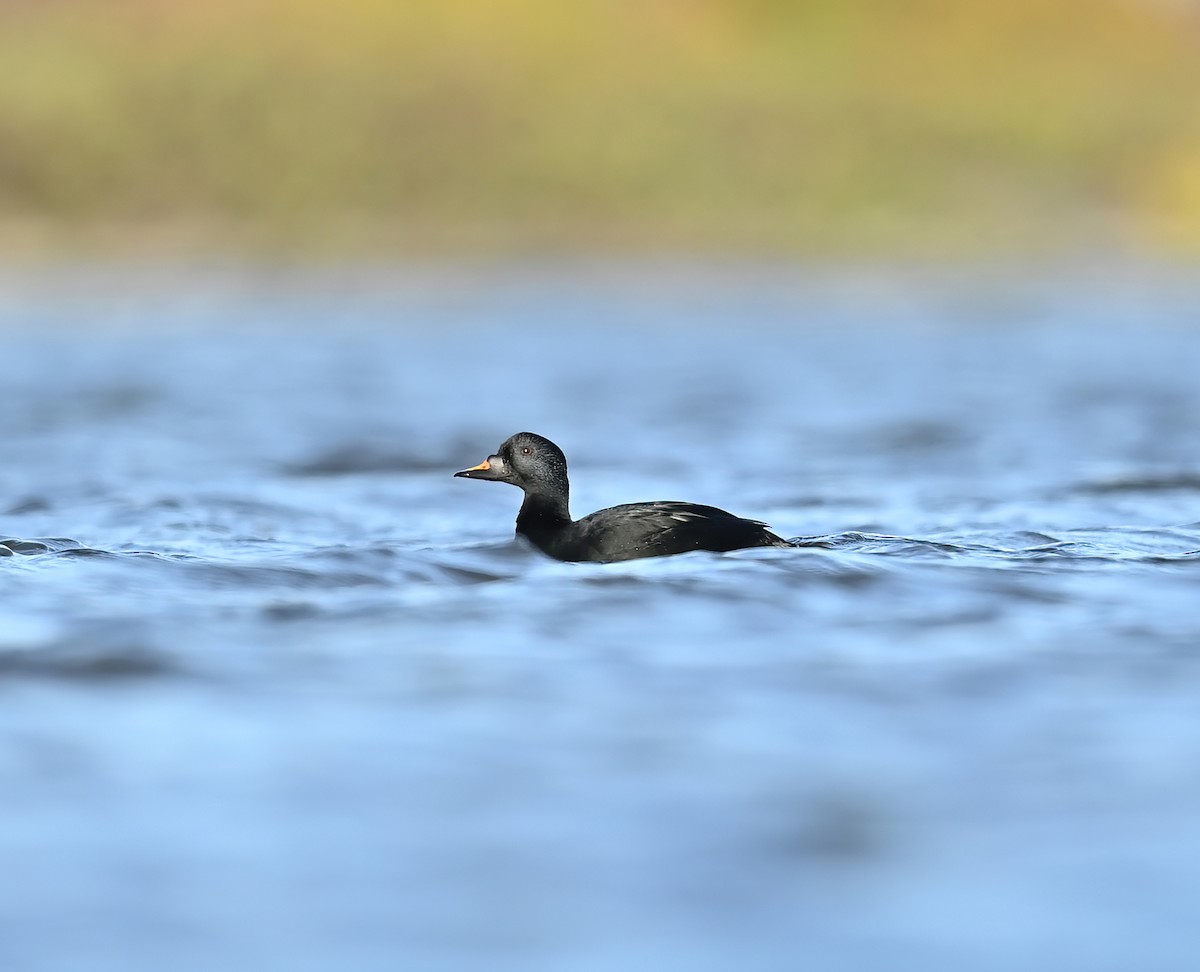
[[626, 532]]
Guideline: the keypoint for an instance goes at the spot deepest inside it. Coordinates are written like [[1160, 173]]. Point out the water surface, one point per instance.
[[276, 691]]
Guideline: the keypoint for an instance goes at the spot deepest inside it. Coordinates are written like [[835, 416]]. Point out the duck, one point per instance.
[[627, 532]]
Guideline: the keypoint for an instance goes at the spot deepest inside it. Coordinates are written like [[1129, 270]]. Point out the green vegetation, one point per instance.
[[845, 127]]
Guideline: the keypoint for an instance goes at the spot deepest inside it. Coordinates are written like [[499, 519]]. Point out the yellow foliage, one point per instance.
[[861, 125]]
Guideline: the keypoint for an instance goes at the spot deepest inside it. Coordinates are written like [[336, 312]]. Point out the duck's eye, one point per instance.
[[526, 450]]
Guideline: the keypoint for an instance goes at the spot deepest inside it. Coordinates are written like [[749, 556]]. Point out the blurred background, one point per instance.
[[913, 282], [847, 129]]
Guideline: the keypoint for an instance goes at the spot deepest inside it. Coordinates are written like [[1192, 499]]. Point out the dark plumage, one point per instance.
[[626, 532]]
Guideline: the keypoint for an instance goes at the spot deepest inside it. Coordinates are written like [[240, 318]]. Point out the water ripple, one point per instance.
[[40, 545]]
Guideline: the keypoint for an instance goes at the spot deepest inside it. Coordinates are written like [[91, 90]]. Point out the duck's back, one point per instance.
[[658, 529]]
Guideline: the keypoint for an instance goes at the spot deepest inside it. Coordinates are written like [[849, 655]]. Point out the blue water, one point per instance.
[[292, 697]]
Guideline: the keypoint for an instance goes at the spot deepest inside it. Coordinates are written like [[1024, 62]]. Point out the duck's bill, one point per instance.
[[491, 468]]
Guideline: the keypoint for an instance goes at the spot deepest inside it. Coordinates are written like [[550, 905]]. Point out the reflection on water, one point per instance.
[[295, 696]]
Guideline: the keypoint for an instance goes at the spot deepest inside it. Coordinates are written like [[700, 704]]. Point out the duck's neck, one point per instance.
[[541, 514]]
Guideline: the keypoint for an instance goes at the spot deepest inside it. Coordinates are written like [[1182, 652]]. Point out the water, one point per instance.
[[292, 697]]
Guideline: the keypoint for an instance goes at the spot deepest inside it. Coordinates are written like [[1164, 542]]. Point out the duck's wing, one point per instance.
[[676, 511], [668, 527]]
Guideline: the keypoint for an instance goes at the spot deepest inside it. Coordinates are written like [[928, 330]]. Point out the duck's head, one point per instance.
[[527, 460]]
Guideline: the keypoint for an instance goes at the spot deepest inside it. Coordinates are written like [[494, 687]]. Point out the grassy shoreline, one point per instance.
[[469, 127]]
